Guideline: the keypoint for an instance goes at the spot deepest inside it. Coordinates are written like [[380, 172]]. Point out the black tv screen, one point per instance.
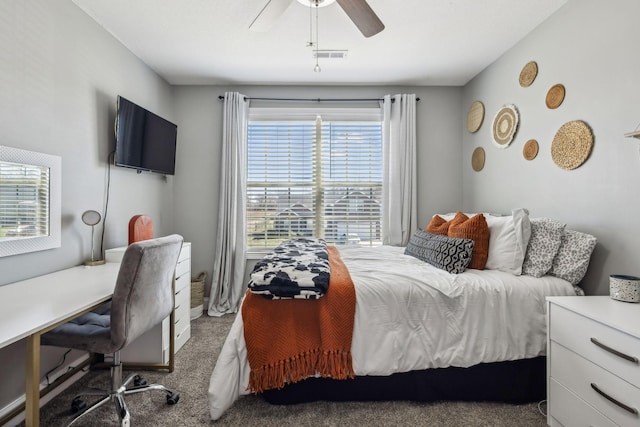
[[144, 140]]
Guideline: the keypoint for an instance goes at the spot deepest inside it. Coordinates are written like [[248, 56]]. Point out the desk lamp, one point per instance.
[[92, 218]]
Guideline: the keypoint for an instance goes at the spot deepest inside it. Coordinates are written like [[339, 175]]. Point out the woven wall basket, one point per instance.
[[477, 159], [505, 125], [530, 150], [475, 116], [572, 145], [555, 96], [528, 74]]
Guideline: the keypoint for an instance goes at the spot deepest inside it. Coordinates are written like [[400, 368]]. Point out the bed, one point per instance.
[[422, 333]]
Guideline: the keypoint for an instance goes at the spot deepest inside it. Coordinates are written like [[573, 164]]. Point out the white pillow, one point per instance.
[[508, 240]]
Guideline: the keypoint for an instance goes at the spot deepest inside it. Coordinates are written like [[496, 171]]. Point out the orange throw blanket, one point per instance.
[[289, 340]]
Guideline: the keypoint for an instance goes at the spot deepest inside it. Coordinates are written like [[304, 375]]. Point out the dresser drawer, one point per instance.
[[578, 375], [185, 253], [182, 337], [182, 311], [578, 333], [569, 410], [183, 300], [183, 267], [183, 282], [183, 322]]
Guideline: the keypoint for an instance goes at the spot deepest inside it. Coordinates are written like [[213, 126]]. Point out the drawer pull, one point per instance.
[[613, 400], [614, 351]]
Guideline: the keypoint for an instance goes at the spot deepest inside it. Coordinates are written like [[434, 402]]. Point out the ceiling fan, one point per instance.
[[358, 11]]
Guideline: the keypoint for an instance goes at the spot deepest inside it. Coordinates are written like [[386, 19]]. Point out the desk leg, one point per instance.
[[172, 339], [32, 406]]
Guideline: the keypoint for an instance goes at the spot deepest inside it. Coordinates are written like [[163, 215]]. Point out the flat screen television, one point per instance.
[[144, 140]]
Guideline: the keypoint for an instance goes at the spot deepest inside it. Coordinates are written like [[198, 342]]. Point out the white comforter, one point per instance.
[[411, 316]]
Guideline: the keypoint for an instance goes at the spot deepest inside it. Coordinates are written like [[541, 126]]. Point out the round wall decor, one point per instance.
[[555, 96], [505, 125], [528, 74], [572, 144], [475, 116], [530, 150], [477, 159]]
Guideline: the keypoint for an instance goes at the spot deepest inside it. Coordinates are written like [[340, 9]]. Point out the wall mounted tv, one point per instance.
[[144, 140]]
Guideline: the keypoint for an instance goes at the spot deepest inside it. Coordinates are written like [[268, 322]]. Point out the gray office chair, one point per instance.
[[142, 298]]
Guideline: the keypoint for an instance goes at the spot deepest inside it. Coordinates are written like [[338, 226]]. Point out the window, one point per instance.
[[24, 200], [317, 177], [30, 189]]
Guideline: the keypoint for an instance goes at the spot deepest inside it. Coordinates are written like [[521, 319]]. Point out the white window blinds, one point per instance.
[[24, 200], [319, 178]]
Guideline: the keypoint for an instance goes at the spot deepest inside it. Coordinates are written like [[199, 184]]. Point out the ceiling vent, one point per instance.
[[330, 54]]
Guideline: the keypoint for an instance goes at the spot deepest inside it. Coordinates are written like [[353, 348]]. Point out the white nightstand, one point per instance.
[[593, 362]]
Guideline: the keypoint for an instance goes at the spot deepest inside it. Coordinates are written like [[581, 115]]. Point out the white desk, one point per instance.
[[34, 306]]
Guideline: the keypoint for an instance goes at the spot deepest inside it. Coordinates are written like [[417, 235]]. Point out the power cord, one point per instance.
[[106, 203], [64, 356], [542, 411]]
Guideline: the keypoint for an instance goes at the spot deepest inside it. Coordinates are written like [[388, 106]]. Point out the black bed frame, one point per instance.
[[518, 381]]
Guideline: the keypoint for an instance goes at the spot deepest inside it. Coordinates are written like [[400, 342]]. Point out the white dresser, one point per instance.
[[153, 346], [593, 362]]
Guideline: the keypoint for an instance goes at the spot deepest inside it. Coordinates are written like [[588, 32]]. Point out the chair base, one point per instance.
[[117, 397]]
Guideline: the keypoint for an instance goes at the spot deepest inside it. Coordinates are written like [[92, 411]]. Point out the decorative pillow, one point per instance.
[[508, 240], [447, 253], [438, 225], [476, 229], [546, 237], [572, 259]]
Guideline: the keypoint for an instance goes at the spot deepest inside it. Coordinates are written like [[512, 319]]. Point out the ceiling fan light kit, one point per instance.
[[359, 11], [316, 3]]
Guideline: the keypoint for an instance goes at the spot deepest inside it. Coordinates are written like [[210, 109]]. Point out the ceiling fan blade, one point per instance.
[[268, 15], [363, 16]]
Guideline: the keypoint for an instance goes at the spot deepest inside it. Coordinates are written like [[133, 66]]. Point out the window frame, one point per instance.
[[15, 246], [328, 114]]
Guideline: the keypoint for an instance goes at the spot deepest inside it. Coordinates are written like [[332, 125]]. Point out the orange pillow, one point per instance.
[[438, 225], [476, 229]]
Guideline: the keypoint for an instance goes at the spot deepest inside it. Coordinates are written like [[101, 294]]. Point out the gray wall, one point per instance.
[[199, 111], [60, 74], [590, 46]]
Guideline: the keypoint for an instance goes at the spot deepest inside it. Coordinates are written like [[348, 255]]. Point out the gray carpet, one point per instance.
[[194, 363]]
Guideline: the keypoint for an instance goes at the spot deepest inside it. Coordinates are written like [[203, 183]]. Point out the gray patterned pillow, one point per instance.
[[447, 253], [572, 259], [545, 240]]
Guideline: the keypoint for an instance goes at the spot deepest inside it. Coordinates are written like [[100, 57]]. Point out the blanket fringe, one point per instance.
[[336, 364]]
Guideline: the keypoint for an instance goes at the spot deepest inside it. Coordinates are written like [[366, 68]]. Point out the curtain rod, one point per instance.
[[314, 99]]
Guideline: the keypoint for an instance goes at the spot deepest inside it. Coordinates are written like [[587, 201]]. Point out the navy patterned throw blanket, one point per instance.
[[297, 268]]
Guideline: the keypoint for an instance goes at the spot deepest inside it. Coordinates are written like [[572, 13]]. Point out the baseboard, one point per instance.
[[13, 414]]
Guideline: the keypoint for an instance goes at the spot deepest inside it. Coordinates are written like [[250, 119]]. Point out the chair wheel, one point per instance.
[[139, 381], [78, 405], [173, 398]]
